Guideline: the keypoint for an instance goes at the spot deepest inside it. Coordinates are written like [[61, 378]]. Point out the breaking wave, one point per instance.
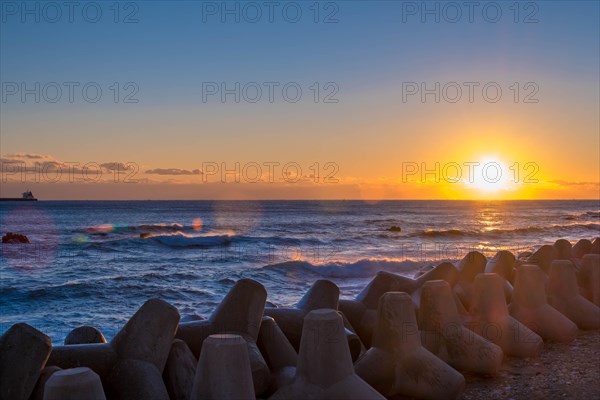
[[160, 227], [451, 233], [363, 268], [180, 239]]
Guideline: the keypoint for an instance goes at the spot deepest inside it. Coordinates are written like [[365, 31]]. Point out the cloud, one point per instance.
[[7, 160], [172, 171], [568, 183], [17, 164], [117, 166], [26, 166], [29, 156]]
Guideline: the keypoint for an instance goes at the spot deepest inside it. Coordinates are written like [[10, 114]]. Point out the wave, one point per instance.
[[181, 239], [161, 227], [587, 215], [281, 240], [444, 233], [363, 268], [149, 284], [104, 229], [451, 233], [381, 221]]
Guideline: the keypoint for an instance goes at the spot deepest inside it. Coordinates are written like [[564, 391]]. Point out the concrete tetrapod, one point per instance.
[[130, 366], [503, 263], [179, 371], [322, 294], [143, 347], [530, 307], [135, 379], [443, 333], [74, 384], [524, 255], [445, 271], [24, 352], [589, 278], [563, 294], [239, 313], [325, 368], [563, 249], [472, 264], [581, 248], [397, 364], [85, 335], [362, 311], [595, 246], [38, 391], [543, 257], [492, 321], [223, 371], [278, 352]]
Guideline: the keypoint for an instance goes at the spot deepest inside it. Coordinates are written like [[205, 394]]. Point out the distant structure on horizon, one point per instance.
[[26, 196]]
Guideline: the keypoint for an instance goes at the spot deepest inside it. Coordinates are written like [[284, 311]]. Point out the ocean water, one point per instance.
[[96, 262]]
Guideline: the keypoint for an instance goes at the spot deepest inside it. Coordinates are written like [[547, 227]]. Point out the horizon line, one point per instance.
[[348, 199]]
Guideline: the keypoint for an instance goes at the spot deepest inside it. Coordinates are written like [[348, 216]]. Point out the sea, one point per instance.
[[96, 262]]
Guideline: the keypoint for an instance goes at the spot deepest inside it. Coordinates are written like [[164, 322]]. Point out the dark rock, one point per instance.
[[12, 238]]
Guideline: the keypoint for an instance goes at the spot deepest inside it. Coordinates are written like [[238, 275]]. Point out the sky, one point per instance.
[[304, 99]]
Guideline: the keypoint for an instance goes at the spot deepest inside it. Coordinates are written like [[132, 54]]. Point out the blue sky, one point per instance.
[[367, 53]]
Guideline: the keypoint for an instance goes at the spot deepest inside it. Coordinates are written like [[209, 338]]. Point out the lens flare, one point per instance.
[[103, 228], [80, 238]]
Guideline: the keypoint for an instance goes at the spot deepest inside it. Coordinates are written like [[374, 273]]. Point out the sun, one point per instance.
[[489, 175]]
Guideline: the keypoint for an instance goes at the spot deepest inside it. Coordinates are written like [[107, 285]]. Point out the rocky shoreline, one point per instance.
[[521, 327], [562, 371]]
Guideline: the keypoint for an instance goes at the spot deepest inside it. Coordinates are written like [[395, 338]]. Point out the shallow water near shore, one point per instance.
[[96, 262]]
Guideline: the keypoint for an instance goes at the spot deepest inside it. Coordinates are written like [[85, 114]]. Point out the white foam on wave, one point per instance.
[[363, 268], [180, 239], [157, 227]]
